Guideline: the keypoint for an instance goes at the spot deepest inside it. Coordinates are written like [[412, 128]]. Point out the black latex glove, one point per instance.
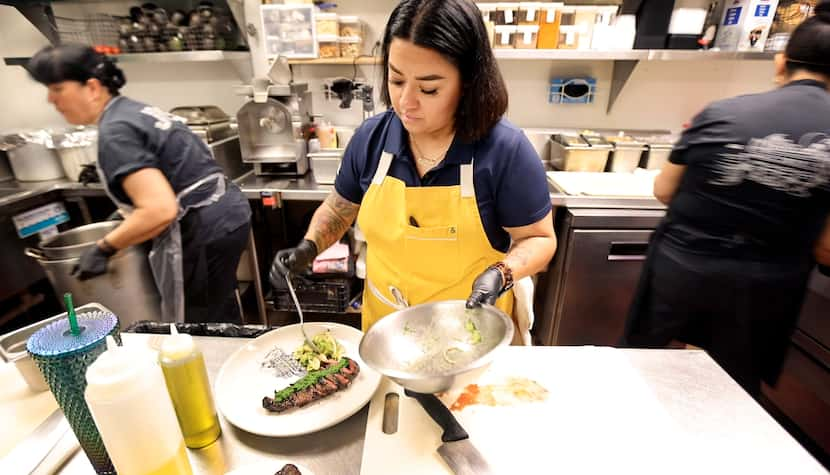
[[486, 288], [115, 216], [92, 264], [294, 260]]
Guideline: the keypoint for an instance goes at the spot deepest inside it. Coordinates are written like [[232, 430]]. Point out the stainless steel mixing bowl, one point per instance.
[[435, 347]]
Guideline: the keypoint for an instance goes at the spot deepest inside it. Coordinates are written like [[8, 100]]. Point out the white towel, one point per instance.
[[523, 310]]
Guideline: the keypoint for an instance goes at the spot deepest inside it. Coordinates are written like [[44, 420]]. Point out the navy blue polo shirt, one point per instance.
[[758, 166], [510, 183], [133, 136]]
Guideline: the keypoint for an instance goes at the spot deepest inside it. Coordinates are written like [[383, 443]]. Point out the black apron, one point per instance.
[[721, 293]]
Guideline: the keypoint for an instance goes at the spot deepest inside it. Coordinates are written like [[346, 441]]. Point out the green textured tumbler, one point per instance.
[[63, 350]]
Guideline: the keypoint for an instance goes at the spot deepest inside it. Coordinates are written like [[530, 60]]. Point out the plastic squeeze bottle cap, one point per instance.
[[177, 345], [115, 367]]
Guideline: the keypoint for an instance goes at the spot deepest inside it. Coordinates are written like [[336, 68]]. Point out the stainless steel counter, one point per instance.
[[335, 451], [719, 418], [303, 188]]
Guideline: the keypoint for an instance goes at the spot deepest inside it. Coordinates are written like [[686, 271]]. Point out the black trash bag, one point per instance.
[[200, 329]]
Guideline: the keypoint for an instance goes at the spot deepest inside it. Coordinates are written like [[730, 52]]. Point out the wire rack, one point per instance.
[[98, 29], [119, 34]]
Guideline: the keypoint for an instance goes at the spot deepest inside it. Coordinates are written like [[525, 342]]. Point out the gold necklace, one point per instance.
[[423, 158]]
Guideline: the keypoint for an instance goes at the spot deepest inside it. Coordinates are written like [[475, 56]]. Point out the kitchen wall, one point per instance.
[[659, 94]]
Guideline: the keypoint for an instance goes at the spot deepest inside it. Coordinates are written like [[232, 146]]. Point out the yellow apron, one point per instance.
[[436, 260]]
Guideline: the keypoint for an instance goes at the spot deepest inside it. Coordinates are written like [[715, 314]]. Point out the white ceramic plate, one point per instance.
[[268, 468], [242, 384]]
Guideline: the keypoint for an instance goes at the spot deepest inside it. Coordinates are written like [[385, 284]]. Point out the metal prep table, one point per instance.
[[694, 391]]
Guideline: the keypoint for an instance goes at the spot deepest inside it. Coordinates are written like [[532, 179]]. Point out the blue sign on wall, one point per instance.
[[733, 16], [762, 10]]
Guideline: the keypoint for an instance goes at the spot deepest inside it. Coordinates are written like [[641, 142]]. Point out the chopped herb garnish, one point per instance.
[[310, 379]]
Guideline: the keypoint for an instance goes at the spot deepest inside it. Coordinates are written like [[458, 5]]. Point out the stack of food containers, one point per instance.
[[549, 18], [547, 25], [327, 34], [658, 151], [487, 13], [579, 153], [626, 154], [351, 36]]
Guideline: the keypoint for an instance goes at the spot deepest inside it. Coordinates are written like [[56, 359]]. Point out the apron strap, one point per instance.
[[468, 189], [383, 168], [466, 174]]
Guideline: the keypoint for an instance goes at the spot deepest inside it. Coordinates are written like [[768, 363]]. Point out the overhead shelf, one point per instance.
[[170, 57], [581, 55], [184, 56], [628, 55], [626, 61], [363, 60]]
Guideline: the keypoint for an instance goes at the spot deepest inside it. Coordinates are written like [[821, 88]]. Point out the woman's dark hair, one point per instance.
[[809, 45], [75, 62], [454, 29]]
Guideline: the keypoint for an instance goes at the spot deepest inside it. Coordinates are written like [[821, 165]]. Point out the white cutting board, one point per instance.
[[21, 409], [637, 184], [599, 417]]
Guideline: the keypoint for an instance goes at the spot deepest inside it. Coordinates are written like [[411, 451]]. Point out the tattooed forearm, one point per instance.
[[530, 255], [331, 221], [520, 256]]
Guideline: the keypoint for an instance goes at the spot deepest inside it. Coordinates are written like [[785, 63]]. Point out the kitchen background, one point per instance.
[[659, 94], [602, 235]]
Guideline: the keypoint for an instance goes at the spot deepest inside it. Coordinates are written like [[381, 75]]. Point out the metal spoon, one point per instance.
[[300, 311]]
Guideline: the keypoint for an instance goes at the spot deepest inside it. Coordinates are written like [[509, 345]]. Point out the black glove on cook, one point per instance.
[[292, 260], [486, 288], [93, 263]]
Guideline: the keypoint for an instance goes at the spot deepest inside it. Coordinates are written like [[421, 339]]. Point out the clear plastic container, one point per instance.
[[289, 31], [350, 26], [549, 26], [328, 46], [568, 30], [488, 15], [504, 36], [327, 24], [129, 403], [350, 46], [603, 33], [526, 36], [507, 14], [529, 13], [586, 18]]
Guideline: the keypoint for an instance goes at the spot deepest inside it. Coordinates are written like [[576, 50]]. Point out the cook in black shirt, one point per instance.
[[166, 179], [748, 189]]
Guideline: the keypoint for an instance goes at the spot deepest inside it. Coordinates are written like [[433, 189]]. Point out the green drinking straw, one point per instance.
[[70, 310]]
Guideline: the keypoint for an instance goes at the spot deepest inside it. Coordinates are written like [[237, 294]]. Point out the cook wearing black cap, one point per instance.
[[748, 189]]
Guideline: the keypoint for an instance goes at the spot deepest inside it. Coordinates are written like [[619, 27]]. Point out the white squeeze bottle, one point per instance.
[[129, 403]]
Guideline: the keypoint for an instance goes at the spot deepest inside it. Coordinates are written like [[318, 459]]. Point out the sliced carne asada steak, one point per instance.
[[313, 386]]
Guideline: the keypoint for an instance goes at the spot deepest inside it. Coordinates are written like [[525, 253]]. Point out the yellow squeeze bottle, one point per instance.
[[187, 381]]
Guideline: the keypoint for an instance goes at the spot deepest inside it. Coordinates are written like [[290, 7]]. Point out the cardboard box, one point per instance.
[[745, 24]]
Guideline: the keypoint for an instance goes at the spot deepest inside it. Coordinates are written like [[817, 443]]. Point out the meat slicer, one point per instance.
[[271, 123]]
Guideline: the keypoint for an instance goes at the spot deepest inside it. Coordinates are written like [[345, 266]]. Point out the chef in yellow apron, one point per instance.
[[451, 197]]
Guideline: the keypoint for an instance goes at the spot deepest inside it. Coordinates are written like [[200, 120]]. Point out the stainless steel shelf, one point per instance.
[[184, 56], [628, 55], [693, 55], [569, 54], [172, 57]]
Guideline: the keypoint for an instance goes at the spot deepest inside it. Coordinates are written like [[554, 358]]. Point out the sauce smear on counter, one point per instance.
[[468, 397]]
